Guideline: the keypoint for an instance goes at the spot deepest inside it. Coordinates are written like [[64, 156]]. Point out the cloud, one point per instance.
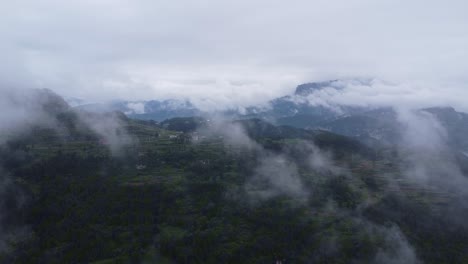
[[22, 108], [427, 157], [136, 108], [110, 127], [379, 93], [274, 174], [230, 52], [398, 248], [282, 178], [21, 111]]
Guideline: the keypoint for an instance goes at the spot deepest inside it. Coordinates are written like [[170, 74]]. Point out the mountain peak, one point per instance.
[[308, 88], [440, 109], [50, 101]]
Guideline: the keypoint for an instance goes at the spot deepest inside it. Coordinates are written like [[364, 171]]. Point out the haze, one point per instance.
[[234, 52]]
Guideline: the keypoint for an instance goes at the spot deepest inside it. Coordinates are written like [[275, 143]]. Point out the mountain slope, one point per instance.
[[283, 194]]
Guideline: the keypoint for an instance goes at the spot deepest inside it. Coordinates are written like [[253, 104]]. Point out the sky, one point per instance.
[[233, 52]]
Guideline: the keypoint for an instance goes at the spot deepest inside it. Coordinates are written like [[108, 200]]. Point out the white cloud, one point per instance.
[[230, 52], [136, 107], [378, 93]]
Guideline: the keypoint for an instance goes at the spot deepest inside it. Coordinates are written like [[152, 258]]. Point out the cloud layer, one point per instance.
[[231, 52]]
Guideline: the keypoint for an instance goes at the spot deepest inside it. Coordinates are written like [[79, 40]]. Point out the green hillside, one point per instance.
[[188, 197]]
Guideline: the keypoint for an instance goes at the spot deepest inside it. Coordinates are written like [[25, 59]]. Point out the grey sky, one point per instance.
[[230, 51]]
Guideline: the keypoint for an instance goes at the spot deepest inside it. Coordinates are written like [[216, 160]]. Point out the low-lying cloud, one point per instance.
[[382, 93]]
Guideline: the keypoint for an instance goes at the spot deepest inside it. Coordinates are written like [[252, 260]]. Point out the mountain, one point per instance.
[[184, 124], [372, 126], [285, 109], [146, 110], [104, 188], [455, 123], [378, 125], [160, 110], [46, 100], [306, 109], [295, 109], [383, 126], [309, 88]]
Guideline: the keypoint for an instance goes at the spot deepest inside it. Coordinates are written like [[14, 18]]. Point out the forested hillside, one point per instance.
[[214, 191]]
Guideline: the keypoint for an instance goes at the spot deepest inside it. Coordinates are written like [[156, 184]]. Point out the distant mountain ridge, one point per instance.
[[147, 110], [159, 110], [369, 125], [308, 88]]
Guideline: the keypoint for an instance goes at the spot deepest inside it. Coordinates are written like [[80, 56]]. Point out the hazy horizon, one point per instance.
[[234, 53]]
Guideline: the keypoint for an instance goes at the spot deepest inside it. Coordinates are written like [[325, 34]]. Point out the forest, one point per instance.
[[217, 191]]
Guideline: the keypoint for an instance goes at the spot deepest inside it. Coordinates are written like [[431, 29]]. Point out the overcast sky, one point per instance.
[[230, 51]]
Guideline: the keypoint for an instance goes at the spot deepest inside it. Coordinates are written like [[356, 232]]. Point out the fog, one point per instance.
[[278, 175], [230, 53], [399, 251], [374, 92], [22, 113], [425, 149]]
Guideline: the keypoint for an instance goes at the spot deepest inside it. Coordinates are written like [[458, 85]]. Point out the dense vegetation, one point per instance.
[[167, 197]]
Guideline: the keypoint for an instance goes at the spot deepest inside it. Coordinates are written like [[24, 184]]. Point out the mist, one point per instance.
[[25, 115], [232, 62], [274, 170], [110, 127], [424, 146], [275, 175], [238, 53]]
